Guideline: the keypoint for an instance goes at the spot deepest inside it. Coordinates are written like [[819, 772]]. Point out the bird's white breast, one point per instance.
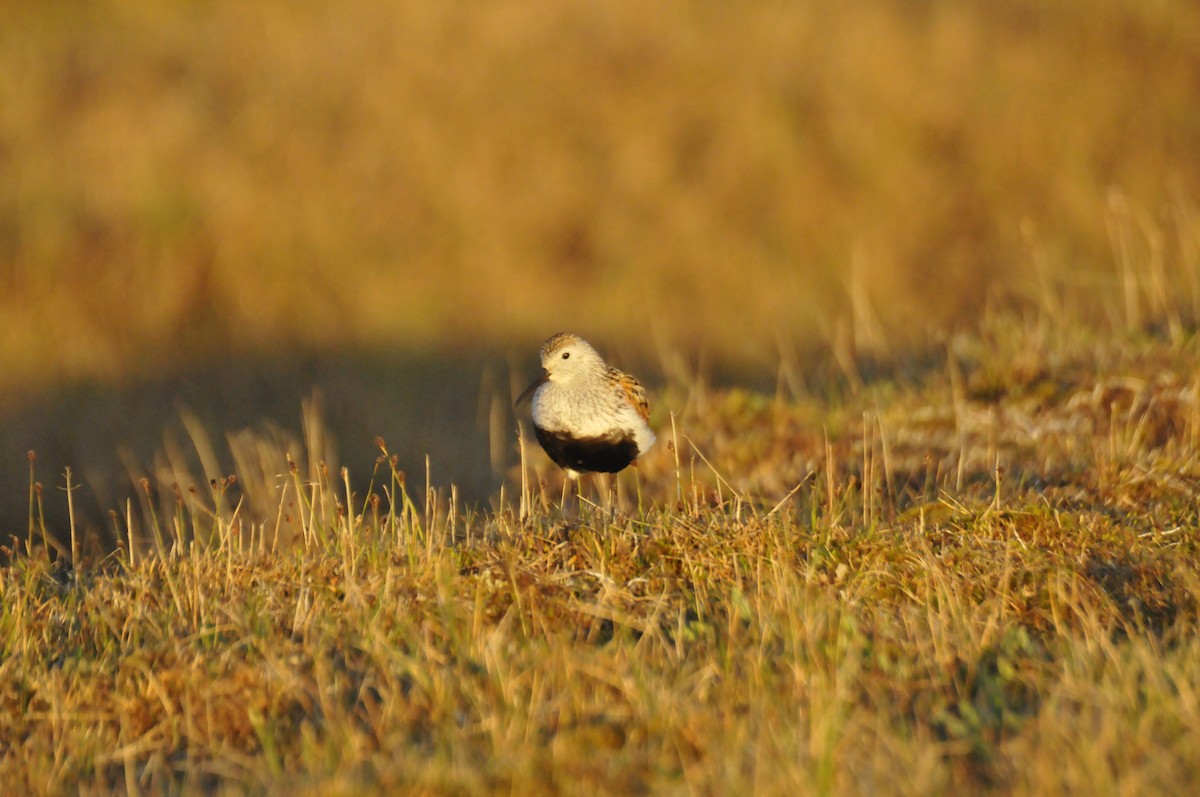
[[590, 412]]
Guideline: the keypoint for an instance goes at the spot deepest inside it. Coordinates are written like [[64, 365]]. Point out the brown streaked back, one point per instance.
[[633, 391]]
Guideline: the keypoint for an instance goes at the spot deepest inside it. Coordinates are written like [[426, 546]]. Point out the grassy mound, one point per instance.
[[976, 576]]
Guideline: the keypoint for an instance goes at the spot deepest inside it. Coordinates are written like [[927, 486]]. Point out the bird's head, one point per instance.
[[565, 357]]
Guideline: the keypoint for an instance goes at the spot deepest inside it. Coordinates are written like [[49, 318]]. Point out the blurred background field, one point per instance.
[[225, 206]]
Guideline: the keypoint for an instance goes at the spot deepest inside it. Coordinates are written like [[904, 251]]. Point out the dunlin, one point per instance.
[[588, 416]]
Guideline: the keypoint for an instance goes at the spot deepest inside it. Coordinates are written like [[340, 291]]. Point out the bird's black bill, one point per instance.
[[541, 380]]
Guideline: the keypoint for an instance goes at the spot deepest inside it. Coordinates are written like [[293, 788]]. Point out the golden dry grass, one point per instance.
[[928, 562], [183, 179], [981, 579]]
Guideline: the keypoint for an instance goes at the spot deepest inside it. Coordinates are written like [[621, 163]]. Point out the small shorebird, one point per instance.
[[588, 416]]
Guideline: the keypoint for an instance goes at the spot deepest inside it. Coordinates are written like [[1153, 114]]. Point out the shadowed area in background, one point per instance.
[[456, 409]]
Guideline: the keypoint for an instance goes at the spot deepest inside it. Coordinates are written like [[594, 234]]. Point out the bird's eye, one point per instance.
[[566, 355]]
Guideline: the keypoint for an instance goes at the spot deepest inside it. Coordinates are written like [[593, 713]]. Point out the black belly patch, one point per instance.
[[607, 454]]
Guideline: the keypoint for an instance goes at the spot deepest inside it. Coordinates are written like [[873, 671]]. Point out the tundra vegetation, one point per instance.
[[916, 291]]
